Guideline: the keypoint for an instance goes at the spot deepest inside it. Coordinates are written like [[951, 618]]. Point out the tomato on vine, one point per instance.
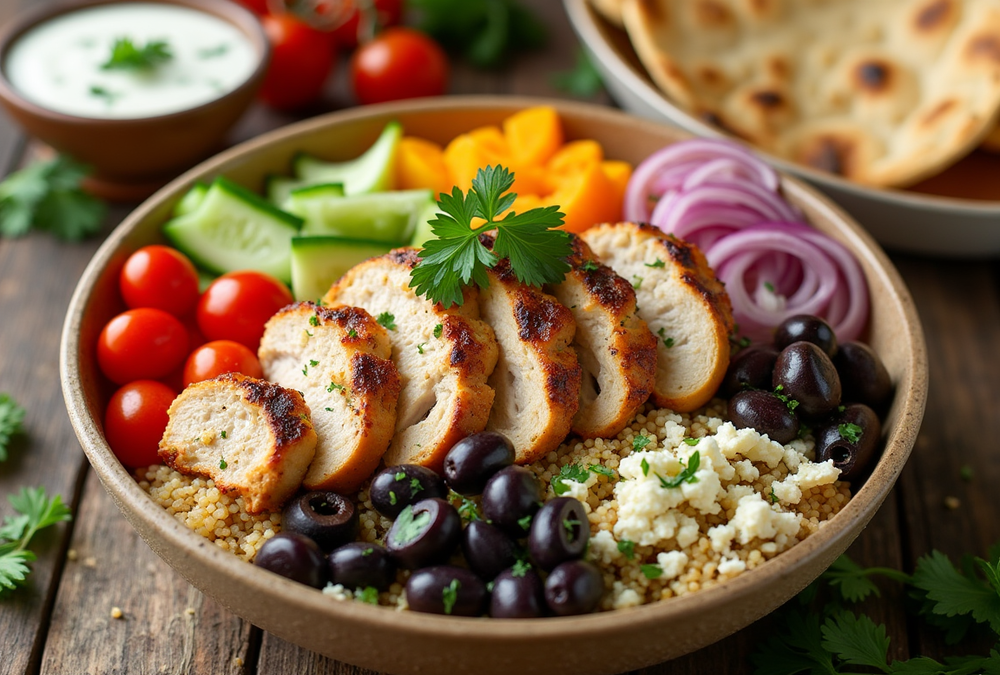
[[301, 61], [399, 63]]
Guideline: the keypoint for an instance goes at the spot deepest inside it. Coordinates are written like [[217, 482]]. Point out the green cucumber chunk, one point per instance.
[[192, 199], [318, 262], [373, 171], [423, 232], [234, 229], [386, 216], [278, 188]]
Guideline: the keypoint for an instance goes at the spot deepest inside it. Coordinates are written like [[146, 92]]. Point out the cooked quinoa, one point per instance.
[[749, 500]]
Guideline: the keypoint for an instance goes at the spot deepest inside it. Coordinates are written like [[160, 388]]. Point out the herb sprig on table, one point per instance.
[[11, 420], [47, 196], [127, 55], [36, 511], [835, 639], [456, 257]]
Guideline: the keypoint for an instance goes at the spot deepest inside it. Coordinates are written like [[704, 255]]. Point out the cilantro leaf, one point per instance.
[[856, 640], [651, 571], [601, 470], [387, 320], [639, 442], [583, 80], [368, 594], [520, 568], [849, 432], [850, 580], [456, 256], [11, 419], [127, 55], [13, 565], [796, 648], [568, 472], [956, 594], [35, 512], [686, 475], [47, 196], [627, 548], [466, 507]]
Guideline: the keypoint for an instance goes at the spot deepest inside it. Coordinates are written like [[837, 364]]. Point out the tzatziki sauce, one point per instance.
[[61, 64]]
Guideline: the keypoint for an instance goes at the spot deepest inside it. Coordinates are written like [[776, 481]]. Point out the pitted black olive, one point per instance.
[[574, 587], [511, 498], [487, 549], [396, 487], [765, 412], [425, 533], [474, 459], [359, 565], [863, 376], [559, 532], [850, 440], [293, 556], [518, 593], [328, 518], [751, 368], [446, 589]]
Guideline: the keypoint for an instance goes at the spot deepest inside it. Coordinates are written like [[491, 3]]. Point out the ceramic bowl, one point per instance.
[[132, 157], [410, 643], [940, 220]]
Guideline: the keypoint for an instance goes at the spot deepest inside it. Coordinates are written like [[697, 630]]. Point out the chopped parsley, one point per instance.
[[11, 422], [641, 441], [525, 522], [773, 497], [407, 527], [400, 475], [790, 403], [691, 441], [569, 472], [352, 333], [35, 512], [334, 386], [420, 347], [314, 320], [449, 595], [328, 409], [570, 525], [438, 329], [223, 463], [520, 568], [601, 470], [98, 91], [658, 263], [368, 594], [850, 432], [589, 266], [651, 571], [387, 320], [222, 433], [627, 548], [367, 552], [966, 473], [636, 282], [392, 497], [313, 363], [645, 467], [212, 52], [668, 342], [466, 507], [415, 486], [127, 55], [685, 476]]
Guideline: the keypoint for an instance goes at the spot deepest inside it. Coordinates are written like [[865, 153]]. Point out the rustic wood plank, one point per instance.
[[167, 626]]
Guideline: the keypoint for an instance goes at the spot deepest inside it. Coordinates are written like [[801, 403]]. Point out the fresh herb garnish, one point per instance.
[[449, 595], [627, 548], [570, 525], [223, 464], [569, 472], [392, 497], [583, 81], [773, 497], [601, 470], [11, 422], [668, 342], [313, 363], [334, 386], [407, 527], [685, 476], [387, 320], [314, 320], [420, 347], [658, 263], [352, 333], [645, 467], [525, 522], [651, 571], [415, 486], [368, 594], [466, 507], [520, 568], [641, 441], [437, 330], [212, 52], [400, 475], [223, 433], [98, 91], [589, 266], [691, 441], [35, 512], [769, 286], [127, 55], [849, 432], [790, 403], [456, 256], [47, 196], [636, 282]]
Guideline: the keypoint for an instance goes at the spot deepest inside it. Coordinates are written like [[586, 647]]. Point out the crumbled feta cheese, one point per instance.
[[808, 475], [624, 597], [746, 470], [755, 519], [721, 537], [731, 566], [603, 547], [749, 444], [577, 491], [672, 563], [338, 592]]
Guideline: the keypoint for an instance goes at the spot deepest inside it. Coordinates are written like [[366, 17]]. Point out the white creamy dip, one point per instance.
[[57, 64]]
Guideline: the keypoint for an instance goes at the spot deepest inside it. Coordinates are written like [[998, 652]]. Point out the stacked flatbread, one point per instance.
[[884, 92]]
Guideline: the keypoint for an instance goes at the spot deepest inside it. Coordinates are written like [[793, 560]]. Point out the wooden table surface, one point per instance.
[[60, 623]]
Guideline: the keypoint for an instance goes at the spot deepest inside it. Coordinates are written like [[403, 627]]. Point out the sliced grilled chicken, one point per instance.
[[443, 357], [338, 358], [683, 303], [249, 436], [615, 347], [537, 378]]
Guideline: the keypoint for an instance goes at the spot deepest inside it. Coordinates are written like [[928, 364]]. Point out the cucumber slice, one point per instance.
[[277, 188], [192, 199], [234, 229], [386, 216], [317, 262], [422, 233], [371, 172]]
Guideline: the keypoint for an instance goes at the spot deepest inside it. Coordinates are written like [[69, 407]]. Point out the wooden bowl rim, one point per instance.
[[135, 503]]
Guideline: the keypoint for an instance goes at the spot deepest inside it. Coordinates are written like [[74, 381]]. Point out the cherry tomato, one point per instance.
[[237, 305], [301, 60], [259, 7], [399, 63], [141, 344], [160, 277], [218, 357], [135, 420], [386, 13]]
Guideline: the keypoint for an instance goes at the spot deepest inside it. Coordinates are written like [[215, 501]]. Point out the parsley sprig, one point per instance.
[[47, 196], [11, 419], [835, 638], [127, 55], [35, 511], [456, 256]]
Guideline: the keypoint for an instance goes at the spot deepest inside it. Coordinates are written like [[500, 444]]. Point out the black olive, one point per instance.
[[806, 328], [358, 565], [807, 376], [559, 532], [575, 587], [765, 412], [295, 557], [396, 487], [518, 593], [863, 376], [328, 518], [425, 533], [446, 589], [487, 549], [474, 459], [850, 440], [751, 368], [511, 498]]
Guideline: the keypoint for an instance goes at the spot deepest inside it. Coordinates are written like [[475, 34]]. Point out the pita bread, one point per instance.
[[884, 92], [610, 10]]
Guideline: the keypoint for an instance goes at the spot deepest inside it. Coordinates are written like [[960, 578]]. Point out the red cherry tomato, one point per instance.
[[256, 6], [237, 305], [141, 344], [387, 13], [135, 420], [160, 277], [218, 357], [301, 60], [399, 63]]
